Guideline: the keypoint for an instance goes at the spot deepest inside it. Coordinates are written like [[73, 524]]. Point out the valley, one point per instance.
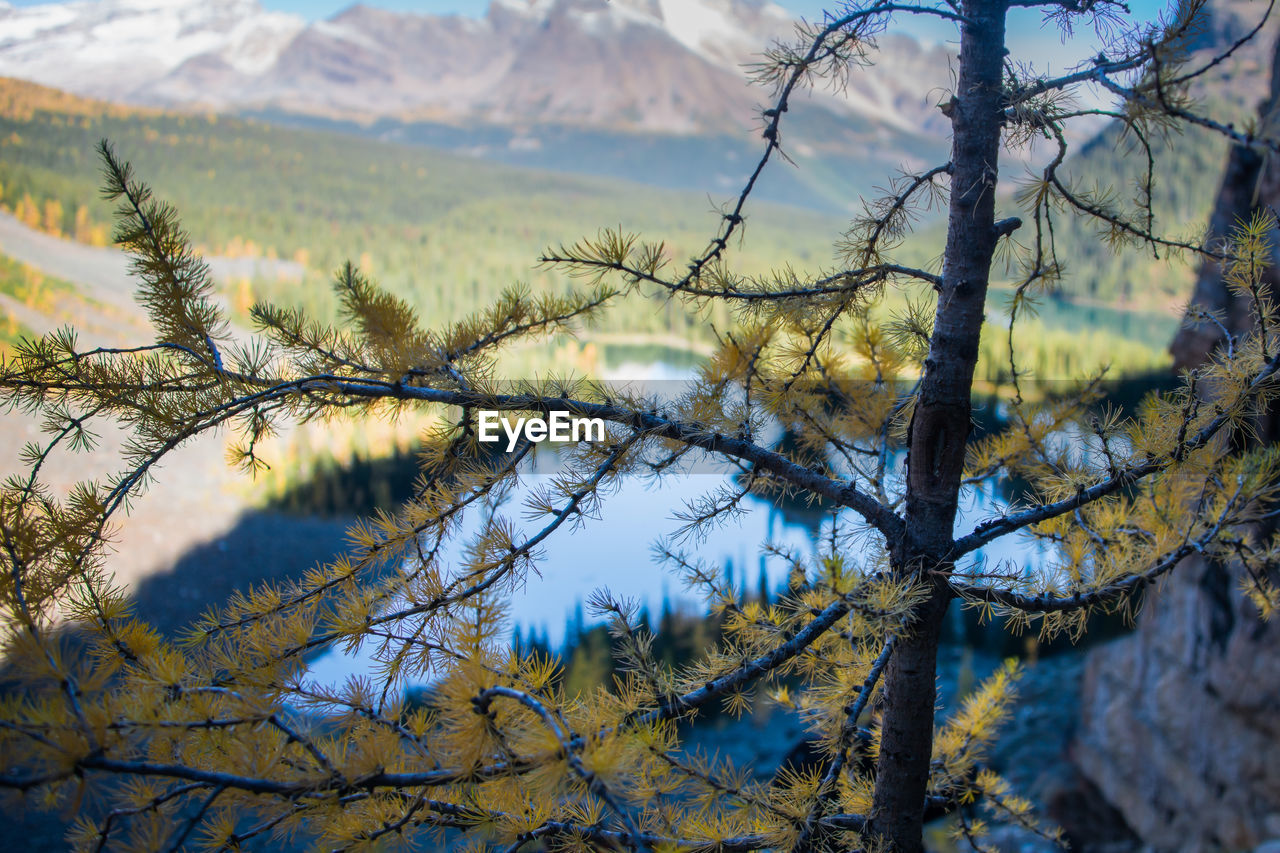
[[276, 208]]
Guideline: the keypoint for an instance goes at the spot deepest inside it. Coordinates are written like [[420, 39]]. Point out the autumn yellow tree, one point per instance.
[[220, 741]]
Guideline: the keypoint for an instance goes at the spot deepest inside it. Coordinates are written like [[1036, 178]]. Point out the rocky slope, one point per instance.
[[1178, 721], [1179, 728]]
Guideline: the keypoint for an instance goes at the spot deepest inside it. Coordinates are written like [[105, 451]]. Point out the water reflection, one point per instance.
[[614, 547]]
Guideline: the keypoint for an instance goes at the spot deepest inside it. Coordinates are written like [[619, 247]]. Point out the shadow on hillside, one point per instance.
[[263, 546]]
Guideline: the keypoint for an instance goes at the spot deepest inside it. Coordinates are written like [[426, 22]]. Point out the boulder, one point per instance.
[[1180, 729]]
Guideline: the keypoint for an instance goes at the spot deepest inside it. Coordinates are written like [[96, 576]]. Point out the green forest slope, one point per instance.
[[449, 233]]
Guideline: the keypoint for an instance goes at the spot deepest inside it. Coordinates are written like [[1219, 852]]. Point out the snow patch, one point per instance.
[[537, 9], [692, 22], [342, 32], [109, 45], [714, 29], [254, 45], [23, 24], [614, 19]]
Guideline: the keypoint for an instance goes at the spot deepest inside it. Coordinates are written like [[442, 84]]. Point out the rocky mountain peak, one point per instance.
[[650, 66]]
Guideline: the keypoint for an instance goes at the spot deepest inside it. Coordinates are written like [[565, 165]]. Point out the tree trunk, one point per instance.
[[906, 737], [940, 426]]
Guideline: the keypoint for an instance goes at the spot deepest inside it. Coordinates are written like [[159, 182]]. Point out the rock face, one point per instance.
[[1179, 727], [1180, 730], [1250, 183]]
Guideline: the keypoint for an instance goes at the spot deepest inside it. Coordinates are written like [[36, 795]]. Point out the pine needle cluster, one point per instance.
[[220, 741]]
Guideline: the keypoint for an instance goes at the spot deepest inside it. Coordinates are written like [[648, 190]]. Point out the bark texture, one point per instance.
[[940, 425]]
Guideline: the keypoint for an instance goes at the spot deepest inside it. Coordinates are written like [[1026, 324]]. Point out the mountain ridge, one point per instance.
[[664, 66]]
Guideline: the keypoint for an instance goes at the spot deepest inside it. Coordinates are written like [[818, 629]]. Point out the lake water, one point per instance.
[[614, 548]]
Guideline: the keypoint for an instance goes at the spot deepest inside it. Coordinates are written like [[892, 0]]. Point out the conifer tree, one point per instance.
[[219, 742]]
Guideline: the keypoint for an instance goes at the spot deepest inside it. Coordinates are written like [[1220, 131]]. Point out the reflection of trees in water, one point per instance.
[[358, 487], [364, 485]]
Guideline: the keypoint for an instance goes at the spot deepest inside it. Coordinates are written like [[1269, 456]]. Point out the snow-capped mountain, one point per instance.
[[727, 32], [670, 66], [579, 62], [114, 48]]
